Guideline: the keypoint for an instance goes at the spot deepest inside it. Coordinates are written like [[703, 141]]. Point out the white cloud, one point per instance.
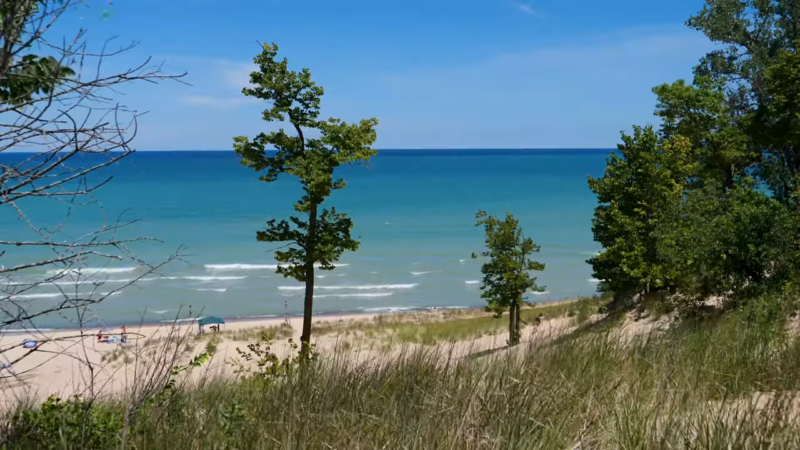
[[216, 102], [527, 9], [578, 93], [237, 75]]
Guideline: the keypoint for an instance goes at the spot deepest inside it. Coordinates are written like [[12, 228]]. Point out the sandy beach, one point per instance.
[[73, 362]]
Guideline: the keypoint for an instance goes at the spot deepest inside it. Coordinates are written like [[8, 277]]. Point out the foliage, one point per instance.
[[708, 384], [320, 236], [734, 244], [268, 366], [638, 191], [776, 126], [63, 424], [505, 274], [701, 113]]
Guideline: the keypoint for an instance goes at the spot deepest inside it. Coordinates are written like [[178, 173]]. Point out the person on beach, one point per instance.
[[190, 310], [99, 335], [539, 319], [124, 336]]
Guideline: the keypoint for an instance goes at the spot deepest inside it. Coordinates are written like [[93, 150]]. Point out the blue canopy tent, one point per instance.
[[211, 320]]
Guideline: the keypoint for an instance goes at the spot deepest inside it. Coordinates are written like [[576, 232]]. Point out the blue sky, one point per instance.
[[436, 73]]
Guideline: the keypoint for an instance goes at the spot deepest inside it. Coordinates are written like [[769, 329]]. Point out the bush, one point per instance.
[[75, 423]]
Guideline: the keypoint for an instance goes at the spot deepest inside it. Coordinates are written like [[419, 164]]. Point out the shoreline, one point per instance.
[[272, 318]]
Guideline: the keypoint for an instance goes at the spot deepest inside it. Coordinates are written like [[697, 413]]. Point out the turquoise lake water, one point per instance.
[[413, 211]]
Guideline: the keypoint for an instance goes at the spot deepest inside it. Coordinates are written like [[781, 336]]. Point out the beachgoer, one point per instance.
[[539, 319], [99, 335], [190, 310]]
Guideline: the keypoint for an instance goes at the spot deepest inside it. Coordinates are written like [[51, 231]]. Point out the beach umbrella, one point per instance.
[[211, 320]]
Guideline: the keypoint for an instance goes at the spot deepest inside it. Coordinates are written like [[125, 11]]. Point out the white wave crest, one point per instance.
[[227, 267], [242, 266], [540, 293], [74, 283], [212, 290], [593, 280], [359, 295], [389, 309], [160, 313], [357, 287], [416, 274], [61, 295], [472, 282], [203, 278], [90, 270]]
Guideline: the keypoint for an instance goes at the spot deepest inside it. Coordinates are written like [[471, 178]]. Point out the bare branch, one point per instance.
[[61, 102]]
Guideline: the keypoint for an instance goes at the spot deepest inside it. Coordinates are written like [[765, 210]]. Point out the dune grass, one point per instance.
[[722, 384], [451, 325]]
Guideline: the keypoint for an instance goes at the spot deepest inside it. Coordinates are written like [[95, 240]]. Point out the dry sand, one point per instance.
[[72, 362]]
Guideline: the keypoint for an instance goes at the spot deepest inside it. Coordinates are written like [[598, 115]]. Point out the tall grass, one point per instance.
[[722, 385]]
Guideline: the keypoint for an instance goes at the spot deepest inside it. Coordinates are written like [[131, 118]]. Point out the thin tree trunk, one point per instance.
[[512, 323], [308, 304], [518, 307]]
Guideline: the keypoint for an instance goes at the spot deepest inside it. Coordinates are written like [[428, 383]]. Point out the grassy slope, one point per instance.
[[686, 388]]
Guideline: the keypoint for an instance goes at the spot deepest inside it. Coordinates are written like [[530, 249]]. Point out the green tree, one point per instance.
[[754, 37], [733, 245], [319, 236], [505, 274], [702, 113], [776, 126], [641, 187]]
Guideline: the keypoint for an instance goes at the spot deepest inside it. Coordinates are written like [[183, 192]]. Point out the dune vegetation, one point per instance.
[[692, 341]]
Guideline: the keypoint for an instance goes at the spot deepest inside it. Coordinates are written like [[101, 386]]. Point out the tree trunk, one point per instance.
[[308, 304], [518, 328], [512, 324]]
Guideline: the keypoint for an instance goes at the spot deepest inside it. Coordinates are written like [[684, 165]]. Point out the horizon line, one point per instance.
[[415, 149], [451, 149]]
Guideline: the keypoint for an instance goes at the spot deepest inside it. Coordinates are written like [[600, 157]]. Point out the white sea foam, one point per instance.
[[241, 266], [593, 280], [590, 253], [356, 288], [90, 270], [73, 282], [472, 282], [27, 330], [202, 278], [321, 276], [359, 295], [60, 295], [212, 290], [416, 274], [387, 309], [373, 273], [461, 261], [161, 313], [228, 267], [539, 293], [191, 319]]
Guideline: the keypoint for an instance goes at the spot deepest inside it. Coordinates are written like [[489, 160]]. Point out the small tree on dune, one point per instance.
[[321, 236], [506, 274]]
